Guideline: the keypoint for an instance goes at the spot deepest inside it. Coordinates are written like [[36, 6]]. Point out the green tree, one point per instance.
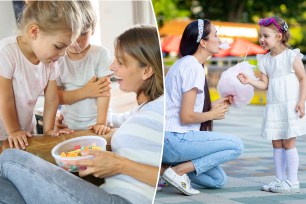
[[245, 11]]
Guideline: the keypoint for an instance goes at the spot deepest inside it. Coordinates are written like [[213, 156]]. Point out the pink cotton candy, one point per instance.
[[229, 85]]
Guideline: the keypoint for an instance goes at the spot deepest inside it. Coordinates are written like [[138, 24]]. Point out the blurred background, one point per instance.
[[236, 22]]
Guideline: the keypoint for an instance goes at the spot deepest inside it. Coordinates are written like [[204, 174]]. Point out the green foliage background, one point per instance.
[[244, 11]]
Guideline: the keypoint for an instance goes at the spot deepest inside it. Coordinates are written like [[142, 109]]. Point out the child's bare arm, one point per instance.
[[300, 73], [16, 137], [262, 83], [7, 106], [50, 106], [94, 88], [101, 126]]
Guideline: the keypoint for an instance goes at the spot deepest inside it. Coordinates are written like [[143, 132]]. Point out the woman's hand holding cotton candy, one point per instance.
[[226, 100], [218, 111]]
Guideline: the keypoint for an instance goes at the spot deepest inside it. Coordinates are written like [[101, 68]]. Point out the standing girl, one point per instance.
[[79, 88], [28, 67], [193, 153], [283, 76]]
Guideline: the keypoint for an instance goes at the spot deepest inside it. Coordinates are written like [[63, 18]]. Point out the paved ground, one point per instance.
[[249, 172]]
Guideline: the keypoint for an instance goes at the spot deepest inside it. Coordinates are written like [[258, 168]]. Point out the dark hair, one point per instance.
[[188, 46]]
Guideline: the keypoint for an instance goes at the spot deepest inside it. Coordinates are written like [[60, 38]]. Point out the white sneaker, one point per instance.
[[267, 187], [182, 183], [286, 187]]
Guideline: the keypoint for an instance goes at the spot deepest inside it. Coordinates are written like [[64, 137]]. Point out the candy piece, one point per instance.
[[77, 147], [72, 154], [63, 154], [77, 150], [96, 148]]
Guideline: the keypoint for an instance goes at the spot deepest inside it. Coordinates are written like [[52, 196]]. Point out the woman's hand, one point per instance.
[[300, 109], [226, 100], [19, 139], [97, 88], [100, 129], [218, 111], [243, 78], [104, 164]]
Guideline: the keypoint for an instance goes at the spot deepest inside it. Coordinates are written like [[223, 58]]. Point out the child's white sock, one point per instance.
[[280, 163], [292, 159]]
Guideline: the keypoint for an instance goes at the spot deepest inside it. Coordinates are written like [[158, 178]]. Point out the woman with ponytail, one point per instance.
[[192, 152]]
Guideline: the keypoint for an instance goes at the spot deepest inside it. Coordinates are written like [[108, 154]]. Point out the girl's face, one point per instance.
[[213, 42], [269, 38], [81, 43], [128, 73], [50, 47]]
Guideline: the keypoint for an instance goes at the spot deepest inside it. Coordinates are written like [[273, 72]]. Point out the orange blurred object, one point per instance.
[[171, 43]]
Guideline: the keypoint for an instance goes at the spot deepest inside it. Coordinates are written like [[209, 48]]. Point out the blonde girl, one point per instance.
[[28, 67]]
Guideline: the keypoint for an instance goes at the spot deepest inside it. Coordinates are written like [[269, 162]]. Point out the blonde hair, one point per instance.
[[90, 17], [285, 34], [53, 16], [142, 43]]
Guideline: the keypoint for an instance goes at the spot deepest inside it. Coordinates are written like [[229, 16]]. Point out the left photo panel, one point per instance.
[[81, 102]]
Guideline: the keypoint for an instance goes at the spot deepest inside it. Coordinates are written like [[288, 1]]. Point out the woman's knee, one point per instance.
[[220, 179], [237, 145]]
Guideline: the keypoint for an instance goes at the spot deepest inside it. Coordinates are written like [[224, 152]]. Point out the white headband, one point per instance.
[[200, 28]]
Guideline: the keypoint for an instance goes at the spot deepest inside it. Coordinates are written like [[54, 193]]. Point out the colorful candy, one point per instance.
[[77, 150]]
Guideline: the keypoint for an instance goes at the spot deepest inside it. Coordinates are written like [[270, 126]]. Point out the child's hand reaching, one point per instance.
[[19, 139], [300, 109], [97, 88], [100, 129], [243, 78], [53, 133]]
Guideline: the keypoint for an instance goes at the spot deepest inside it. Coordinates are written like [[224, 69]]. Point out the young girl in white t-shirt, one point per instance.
[[283, 76], [28, 67], [80, 89]]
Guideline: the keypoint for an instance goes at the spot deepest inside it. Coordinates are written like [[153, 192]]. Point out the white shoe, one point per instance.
[[286, 187], [267, 187], [182, 183]]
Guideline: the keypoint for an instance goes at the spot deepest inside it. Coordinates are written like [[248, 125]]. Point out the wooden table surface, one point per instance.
[[41, 146]]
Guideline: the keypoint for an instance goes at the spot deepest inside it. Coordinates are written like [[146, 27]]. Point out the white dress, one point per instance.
[[281, 121]]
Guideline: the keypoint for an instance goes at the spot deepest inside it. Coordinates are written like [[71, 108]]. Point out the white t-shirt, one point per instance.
[[139, 139], [74, 75], [28, 80], [186, 73]]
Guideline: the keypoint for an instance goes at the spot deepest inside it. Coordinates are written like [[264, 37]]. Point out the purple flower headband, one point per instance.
[[267, 21]]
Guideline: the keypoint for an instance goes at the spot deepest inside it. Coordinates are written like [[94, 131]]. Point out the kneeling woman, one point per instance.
[[193, 154]]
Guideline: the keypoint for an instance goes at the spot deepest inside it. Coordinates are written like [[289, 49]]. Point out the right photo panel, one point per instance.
[[235, 91]]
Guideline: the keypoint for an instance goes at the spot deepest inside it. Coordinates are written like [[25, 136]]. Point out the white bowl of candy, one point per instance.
[[70, 150]]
